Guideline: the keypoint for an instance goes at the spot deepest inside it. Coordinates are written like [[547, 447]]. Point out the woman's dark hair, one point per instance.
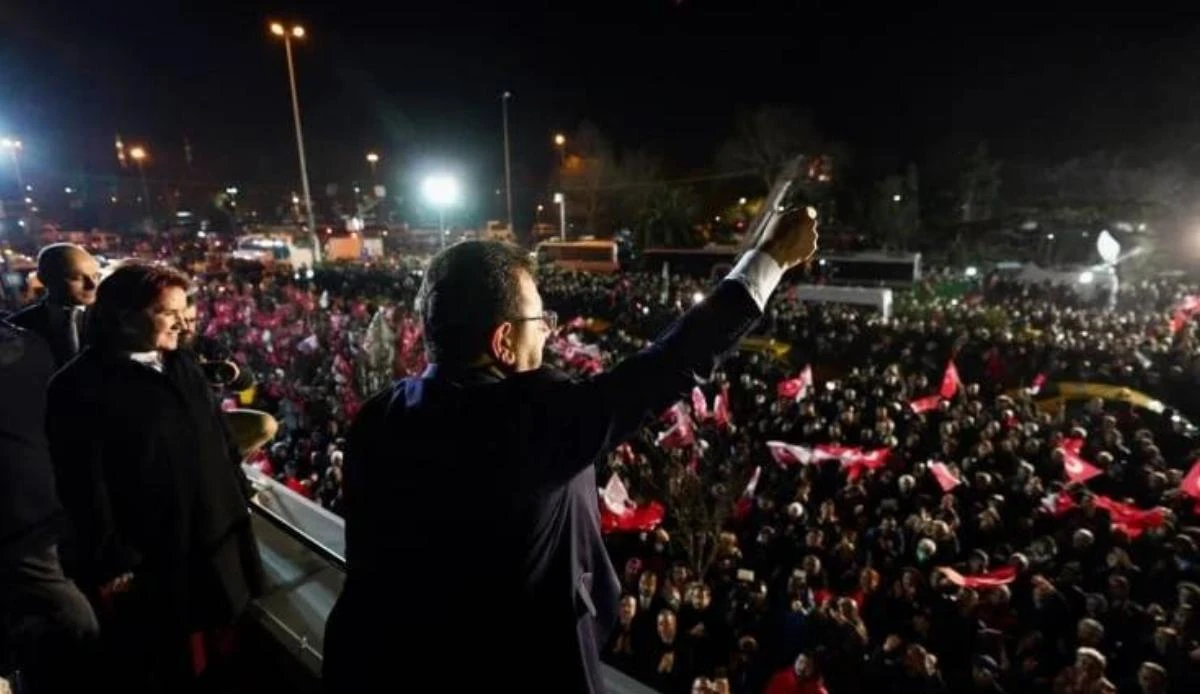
[[468, 290], [132, 287]]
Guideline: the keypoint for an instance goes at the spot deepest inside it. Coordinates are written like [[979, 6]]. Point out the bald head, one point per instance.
[[69, 273]]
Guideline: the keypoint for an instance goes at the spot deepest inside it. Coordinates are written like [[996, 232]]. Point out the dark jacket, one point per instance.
[[152, 485], [471, 507], [51, 325], [30, 515]]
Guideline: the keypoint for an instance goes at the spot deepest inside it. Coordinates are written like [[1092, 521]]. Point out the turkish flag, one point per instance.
[[929, 403], [681, 434], [699, 404], [619, 513], [1129, 519], [1073, 444], [870, 460], [790, 453], [945, 478], [1191, 483], [795, 388], [950, 381], [741, 509], [991, 579], [720, 412], [1078, 469]]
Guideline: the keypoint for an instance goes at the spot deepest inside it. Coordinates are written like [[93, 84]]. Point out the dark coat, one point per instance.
[[41, 318], [471, 508], [152, 485], [30, 515]]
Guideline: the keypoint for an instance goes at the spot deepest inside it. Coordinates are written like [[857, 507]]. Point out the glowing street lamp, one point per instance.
[[441, 191], [14, 148], [560, 141], [561, 201], [139, 156], [298, 32], [372, 159]]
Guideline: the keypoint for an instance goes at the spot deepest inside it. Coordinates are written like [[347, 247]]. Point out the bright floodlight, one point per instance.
[[298, 32], [440, 191], [372, 157], [972, 271], [1087, 277], [1108, 247], [9, 143], [560, 139], [277, 28], [897, 198], [138, 153], [697, 297]]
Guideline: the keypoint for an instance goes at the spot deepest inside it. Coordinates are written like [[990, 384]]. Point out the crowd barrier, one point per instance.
[[880, 298]]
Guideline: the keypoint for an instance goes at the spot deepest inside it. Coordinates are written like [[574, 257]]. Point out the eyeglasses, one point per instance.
[[550, 318]]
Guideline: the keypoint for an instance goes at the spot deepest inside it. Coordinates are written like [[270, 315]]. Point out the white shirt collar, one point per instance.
[[152, 359]]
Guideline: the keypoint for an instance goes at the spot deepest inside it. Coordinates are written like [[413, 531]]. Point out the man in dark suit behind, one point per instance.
[[472, 527], [46, 624], [70, 275]]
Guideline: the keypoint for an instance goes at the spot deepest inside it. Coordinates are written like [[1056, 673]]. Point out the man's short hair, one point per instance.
[[468, 290], [52, 260], [133, 286]]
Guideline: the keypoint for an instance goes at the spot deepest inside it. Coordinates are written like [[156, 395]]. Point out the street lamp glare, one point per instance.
[[560, 139], [441, 191], [277, 28], [138, 153], [298, 31], [372, 157]]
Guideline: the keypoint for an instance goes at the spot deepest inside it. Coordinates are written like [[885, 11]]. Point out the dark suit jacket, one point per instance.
[[472, 526], [151, 484], [30, 515], [37, 318]]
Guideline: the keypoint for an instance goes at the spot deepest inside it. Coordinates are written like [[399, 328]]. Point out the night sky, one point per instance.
[[422, 87]]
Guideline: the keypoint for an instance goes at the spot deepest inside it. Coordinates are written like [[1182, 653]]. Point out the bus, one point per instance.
[[579, 256], [269, 250], [709, 262]]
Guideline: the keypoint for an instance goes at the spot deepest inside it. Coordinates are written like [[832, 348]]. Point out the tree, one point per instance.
[[893, 210], [767, 138], [668, 218], [588, 170], [700, 494]]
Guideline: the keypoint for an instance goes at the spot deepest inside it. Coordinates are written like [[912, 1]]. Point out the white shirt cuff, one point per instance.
[[760, 273]]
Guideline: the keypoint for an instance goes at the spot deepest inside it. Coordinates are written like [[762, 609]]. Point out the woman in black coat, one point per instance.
[[149, 478]]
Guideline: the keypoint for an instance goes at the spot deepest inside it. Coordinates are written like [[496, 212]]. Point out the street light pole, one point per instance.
[[298, 32], [562, 215], [139, 156], [507, 162]]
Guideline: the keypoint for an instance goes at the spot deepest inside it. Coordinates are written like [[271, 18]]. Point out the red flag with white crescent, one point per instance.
[[1077, 469], [869, 460]]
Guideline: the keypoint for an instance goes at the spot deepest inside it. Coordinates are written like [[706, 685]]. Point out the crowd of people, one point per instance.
[[901, 515], [824, 580]]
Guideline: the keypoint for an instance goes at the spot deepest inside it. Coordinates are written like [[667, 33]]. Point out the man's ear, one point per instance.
[[501, 344]]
